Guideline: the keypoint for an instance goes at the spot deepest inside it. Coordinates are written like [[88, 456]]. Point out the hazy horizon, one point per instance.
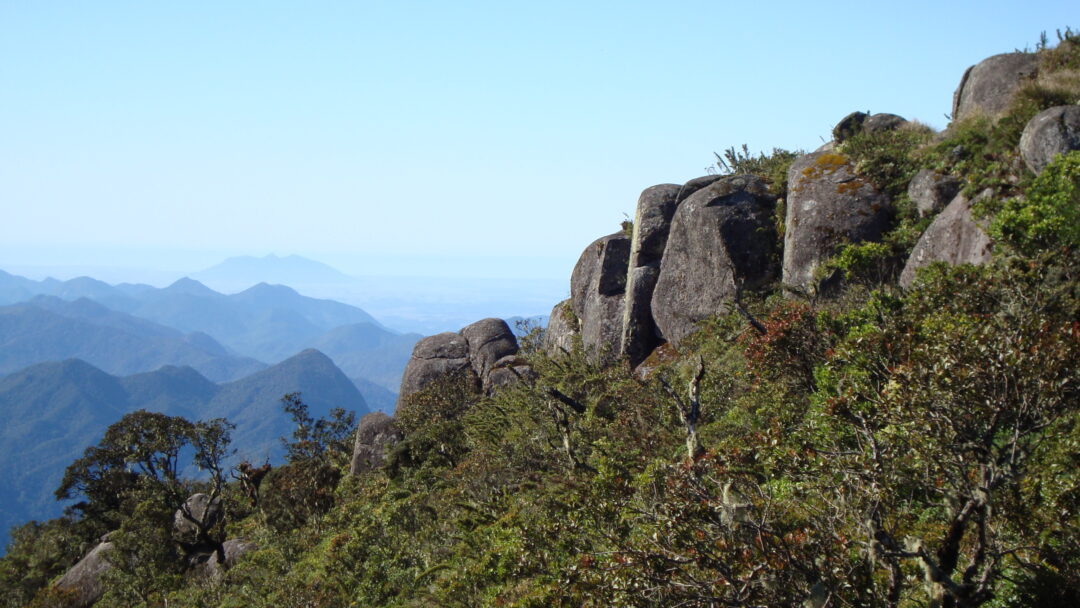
[[475, 139]]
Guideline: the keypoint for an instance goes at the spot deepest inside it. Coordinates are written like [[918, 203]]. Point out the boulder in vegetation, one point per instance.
[[721, 239], [563, 325], [932, 191], [987, 86], [954, 237], [597, 287], [1050, 133], [83, 580], [828, 205], [432, 358], [489, 341], [195, 518], [376, 433]]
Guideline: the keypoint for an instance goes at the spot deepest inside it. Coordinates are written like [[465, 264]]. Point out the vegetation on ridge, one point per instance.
[[880, 447]]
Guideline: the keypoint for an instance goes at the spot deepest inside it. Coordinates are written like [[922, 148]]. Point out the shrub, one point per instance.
[[1048, 216]]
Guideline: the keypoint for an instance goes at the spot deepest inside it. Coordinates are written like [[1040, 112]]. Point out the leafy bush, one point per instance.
[[1048, 215]]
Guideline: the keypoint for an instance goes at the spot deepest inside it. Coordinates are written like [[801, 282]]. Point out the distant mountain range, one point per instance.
[[241, 272], [267, 323], [53, 411], [47, 328]]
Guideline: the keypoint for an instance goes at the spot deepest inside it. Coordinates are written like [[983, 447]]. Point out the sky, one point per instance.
[[475, 139]]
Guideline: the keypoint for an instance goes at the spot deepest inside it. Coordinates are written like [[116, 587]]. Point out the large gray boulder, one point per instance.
[[563, 325], [489, 340], [721, 238], [954, 237], [1049, 133], [432, 358], [597, 286], [828, 205], [988, 86], [375, 433], [652, 223], [83, 580], [193, 521], [930, 191]]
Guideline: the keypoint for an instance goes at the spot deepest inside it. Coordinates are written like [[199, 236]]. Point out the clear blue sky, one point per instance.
[[479, 138]]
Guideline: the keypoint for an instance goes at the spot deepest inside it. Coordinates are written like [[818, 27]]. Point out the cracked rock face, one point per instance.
[[828, 205], [721, 239], [596, 294]]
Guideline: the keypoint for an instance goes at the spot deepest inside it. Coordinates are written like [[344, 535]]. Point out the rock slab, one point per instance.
[[722, 238], [828, 205], [954, 237], [83, 580], [597, 286]]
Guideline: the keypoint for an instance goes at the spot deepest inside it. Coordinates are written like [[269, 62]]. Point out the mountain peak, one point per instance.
[[190, 286]]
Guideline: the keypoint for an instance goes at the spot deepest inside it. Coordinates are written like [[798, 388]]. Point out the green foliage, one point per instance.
[[887, 158], [1048, 215], [772, 167], [322, 439]]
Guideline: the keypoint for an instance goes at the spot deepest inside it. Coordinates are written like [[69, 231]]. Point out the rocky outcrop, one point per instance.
[[193, 521], [476, 349], [597, 287], [858, 122], [828, 205], [652, 222], [83, 580], [930, 191], [954, 237], [1049, 133], [489, 340], [374, 435], [432, 358], [721, 238], [987, 86], [561, 328]]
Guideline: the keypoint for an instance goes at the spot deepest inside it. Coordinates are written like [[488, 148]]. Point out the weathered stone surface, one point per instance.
[[596, 291], [562, 326], [83, 580], [827, 205], [721, 237], [954, 237], [214, 567], [195, 518], [1049, 133], [652, 223], [507, 371], [931, 191], [857, 122], [489, 340], [375, 433], [883, 121], [432, 358], [988, 86], [639, 334], [655, 208]]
